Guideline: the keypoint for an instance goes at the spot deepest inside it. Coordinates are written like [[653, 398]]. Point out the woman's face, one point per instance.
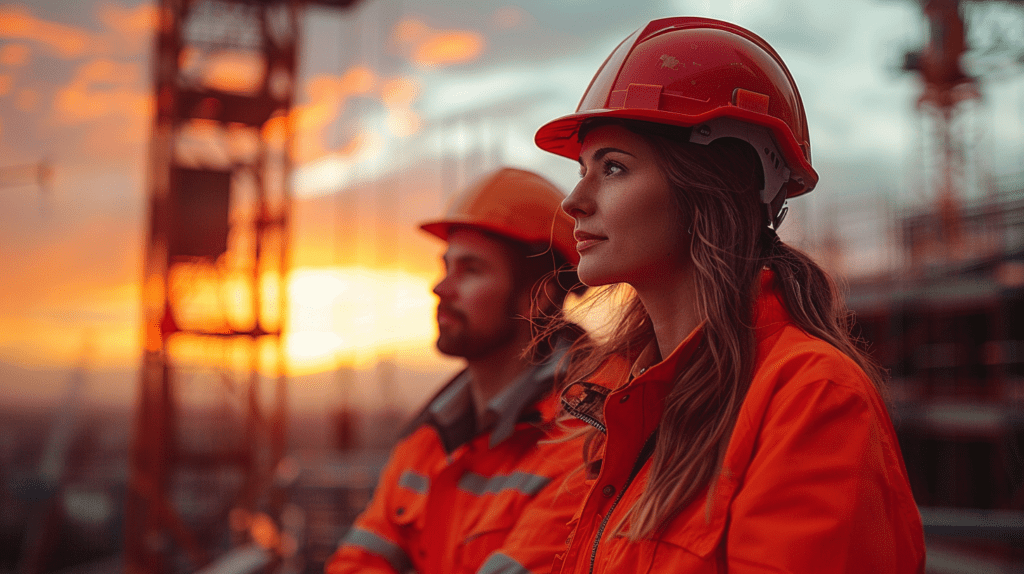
[[628, 229]]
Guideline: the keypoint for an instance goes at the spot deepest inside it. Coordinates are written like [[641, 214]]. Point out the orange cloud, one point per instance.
[[233, 71], [103, 88], [327, 95], [449, 48], [18, 23], [201, 139], [14, 55], [399, 92], [410, 31], [132, 23], [436, 48]]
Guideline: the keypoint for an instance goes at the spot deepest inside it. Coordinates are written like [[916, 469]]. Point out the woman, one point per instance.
[[750, 434]]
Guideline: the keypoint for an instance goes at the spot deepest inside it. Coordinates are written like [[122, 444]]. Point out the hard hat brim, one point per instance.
[[560, 136], [442, 229]]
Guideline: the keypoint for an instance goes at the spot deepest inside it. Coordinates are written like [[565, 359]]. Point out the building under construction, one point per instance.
[[948, 323]]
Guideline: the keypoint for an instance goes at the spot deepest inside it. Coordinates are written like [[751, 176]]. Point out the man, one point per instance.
[[478, 464]]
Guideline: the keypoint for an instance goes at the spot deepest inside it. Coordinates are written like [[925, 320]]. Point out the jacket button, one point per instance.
[[624, 398], [608, 491], [400, 510], [643, 370]]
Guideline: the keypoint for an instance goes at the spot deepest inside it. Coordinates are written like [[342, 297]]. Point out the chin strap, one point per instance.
[[773, 165]]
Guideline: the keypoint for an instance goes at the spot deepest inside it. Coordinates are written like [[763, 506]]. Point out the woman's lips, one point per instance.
[[586, 240]]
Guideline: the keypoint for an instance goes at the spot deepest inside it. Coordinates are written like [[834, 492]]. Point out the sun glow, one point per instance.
[[351, 316]]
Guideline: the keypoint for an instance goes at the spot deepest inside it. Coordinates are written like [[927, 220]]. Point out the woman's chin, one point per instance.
[[594, 277]]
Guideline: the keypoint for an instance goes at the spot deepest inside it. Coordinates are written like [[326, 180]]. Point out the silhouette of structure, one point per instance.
[[214, 294]]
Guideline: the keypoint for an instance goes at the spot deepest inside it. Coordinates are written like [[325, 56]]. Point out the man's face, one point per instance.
[[477, 304]]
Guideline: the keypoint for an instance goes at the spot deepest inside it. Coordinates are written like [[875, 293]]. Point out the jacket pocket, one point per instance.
[[407, 505], [487, 535], [694, 536]]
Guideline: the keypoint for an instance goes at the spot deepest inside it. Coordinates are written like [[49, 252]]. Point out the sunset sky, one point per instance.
[[400, 103]]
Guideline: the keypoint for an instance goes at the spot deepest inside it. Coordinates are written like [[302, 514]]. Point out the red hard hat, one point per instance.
[[513, 203], [713, 76]]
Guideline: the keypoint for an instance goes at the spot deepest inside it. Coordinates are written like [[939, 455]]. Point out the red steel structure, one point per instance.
[[946, 87], [214, 294]]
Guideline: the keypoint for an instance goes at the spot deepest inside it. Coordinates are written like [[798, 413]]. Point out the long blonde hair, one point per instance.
[[716, 191]]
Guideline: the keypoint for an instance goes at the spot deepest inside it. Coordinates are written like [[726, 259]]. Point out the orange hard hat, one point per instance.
[[715, 77], [516, 204]]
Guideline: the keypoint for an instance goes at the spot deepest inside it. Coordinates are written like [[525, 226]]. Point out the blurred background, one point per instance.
[[215, 306]]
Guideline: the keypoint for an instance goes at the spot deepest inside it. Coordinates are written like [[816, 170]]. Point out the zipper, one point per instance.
[[641, 458], [586, 418]]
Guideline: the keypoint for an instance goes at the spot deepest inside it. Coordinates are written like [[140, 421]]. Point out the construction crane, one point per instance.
[[947, 91], [214, 294], [948, 331]]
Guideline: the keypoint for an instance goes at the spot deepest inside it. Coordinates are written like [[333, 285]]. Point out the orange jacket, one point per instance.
[[812, 480], [448, 502]]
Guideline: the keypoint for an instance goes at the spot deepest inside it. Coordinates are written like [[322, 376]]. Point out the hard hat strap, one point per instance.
[[773, 163]]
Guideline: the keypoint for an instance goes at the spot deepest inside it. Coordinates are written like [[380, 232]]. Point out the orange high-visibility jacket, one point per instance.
[[812, 480], [450, 501]]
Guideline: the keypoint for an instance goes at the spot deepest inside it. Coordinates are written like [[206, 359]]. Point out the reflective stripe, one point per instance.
[[382, 547], [414, 482], [525, 483], [499, 563]]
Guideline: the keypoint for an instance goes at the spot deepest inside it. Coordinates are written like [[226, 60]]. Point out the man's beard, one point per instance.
[[459, 341]]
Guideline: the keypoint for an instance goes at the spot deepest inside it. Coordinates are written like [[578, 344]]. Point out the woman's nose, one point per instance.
[[577, 204]]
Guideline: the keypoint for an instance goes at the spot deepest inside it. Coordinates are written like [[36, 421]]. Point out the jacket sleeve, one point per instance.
[[826, 491], [374, 544], [542, 528]]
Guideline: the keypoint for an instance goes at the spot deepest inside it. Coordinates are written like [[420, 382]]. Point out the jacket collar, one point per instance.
[[585, 400], [453, 416], [650, 363]]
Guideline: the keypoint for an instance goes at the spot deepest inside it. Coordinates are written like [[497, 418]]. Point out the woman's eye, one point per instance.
[[612, 168]]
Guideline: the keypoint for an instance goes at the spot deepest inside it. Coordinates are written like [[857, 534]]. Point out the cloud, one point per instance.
[[327, 98], [14, 55], [399, 92], [103, 88], [430, 48], [232, 71], [448, 48], [18, 23], [135, 24], [127, 31]]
